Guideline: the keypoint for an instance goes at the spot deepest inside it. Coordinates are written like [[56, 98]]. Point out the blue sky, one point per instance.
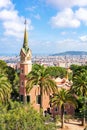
[[53, 26]]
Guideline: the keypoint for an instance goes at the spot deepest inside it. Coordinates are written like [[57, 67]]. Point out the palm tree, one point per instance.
[[60, 99], [5, 89], [39, 76], [80, 86]]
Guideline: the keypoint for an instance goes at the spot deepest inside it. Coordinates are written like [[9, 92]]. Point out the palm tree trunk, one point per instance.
[[24, 99], [62, 116], [41, 95], [83, 119]]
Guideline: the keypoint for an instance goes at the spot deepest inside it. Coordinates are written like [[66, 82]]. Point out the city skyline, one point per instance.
[[53, 26]]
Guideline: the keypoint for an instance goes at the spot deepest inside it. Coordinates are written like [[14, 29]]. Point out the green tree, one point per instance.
[[5, 89], [13, 77], [40, 76], [80, 85], [55, 71], [3, 67], [15, 88], [21, 117], [60, 99]]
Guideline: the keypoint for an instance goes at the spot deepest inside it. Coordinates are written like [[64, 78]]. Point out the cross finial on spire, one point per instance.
[[25, 22]]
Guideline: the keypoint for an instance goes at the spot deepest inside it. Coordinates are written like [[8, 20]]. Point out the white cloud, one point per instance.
[[6, 4], [83, 38], [69, 18], [65, 18], [60, 3], [67, 3], [13, 24], [13, 28], [8, 14], [81, 14], [70, 45], [58, 46], [13, 33]]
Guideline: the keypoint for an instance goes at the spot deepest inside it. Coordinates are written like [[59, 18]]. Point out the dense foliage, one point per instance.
[[5, 89], [20, 117], [15, 116], [79, 88], [54, 71], [57, 71], [12, 76]]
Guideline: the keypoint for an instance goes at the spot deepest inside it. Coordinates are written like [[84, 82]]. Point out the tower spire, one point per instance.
[[25, 43], [25, 65]]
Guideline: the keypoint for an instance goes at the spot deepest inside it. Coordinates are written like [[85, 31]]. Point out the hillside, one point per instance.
[[70, 53]]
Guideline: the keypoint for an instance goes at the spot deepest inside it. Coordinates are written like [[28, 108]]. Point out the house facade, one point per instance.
[[34, 95]]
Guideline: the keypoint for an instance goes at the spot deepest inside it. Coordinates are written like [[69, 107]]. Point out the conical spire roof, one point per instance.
[[25, 43]]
